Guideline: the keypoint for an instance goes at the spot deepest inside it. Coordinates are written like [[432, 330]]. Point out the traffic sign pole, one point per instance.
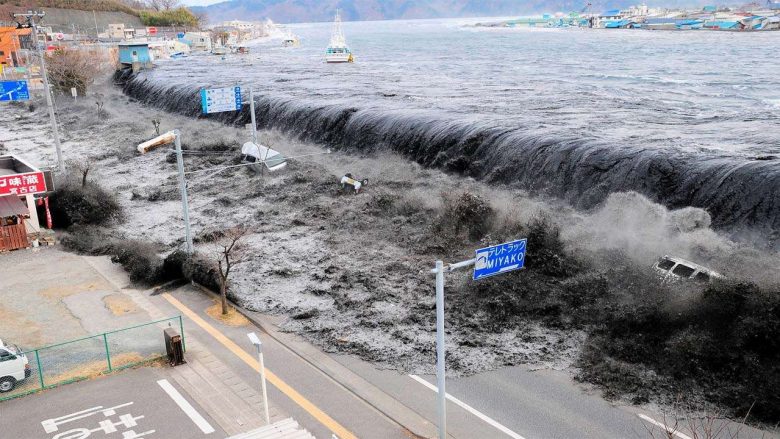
[[489, 261], [440, 366]]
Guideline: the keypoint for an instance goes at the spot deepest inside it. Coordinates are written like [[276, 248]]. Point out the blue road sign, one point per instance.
[[14, 91], [499, 259], [217, 100]]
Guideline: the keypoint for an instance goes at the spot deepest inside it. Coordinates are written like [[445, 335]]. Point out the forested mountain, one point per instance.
[[288, 11]]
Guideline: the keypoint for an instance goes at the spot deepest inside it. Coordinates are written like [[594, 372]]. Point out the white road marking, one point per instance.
[[471, 409], [186, 407], [663, 426]]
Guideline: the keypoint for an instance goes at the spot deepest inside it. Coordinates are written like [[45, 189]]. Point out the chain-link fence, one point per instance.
[[83, 358]]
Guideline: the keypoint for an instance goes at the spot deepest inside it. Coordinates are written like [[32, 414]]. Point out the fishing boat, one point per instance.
[[338, 51], [290, 40]]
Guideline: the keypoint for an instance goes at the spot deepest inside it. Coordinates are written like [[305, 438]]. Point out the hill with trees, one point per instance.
[[150, 12]]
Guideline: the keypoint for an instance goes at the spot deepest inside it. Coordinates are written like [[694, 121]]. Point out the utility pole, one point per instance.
[[97, 33], [183, 188], [30, 16], [252, 110]]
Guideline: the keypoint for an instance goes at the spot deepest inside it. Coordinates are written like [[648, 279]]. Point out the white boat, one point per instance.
[[338, 51], [290, 40], [258, 154]]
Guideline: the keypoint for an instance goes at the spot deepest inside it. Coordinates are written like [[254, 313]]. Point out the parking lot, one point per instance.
[[142, 403]]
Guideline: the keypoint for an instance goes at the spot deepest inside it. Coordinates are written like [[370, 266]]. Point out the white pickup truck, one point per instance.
[[14, 367]]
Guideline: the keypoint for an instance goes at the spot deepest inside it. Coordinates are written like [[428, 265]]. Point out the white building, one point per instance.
[[198, 41]]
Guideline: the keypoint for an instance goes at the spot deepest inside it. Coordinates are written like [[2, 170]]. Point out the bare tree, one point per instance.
[[706, 425], [163, 5], [230, 252], [75, 68], [83, 166]]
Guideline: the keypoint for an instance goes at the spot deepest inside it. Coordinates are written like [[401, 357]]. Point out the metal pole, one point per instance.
[[183, 188], [440, 369], [181, 331], [108, 354], [45, 77], [252, 110], [97, 33], [262, 382], [40, 370]]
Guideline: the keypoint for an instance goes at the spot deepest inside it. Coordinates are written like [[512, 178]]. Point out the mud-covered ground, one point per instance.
[[352, 271]]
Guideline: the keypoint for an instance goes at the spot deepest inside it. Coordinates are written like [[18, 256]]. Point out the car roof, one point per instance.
[[693, 265]]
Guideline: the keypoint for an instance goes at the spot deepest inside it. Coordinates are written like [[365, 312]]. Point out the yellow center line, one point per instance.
[[285, 388]]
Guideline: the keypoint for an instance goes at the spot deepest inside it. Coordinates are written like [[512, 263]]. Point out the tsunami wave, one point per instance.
[[740, 193]]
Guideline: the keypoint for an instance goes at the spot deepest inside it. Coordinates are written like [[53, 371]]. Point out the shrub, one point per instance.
[[139, 259], [201, 270], [74, 203], [75, 68], [725, 342], [465, 212], [86, 240], [546, 250]]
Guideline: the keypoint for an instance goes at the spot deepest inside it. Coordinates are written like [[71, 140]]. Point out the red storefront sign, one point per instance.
[[22, 184]]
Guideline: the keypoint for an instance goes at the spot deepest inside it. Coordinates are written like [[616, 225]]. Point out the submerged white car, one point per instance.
[[259, 154], [14, 367], [673, 268]]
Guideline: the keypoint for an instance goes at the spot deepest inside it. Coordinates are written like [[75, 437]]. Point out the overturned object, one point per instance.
[[673, 269], [162, 139], [347, 179], [273, 159]]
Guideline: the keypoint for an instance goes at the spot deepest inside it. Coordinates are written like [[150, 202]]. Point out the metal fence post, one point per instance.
[[108, 354], [181, 332], [40, 371]]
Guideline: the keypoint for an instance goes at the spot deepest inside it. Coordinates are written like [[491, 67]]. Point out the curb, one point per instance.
[[396, 411]]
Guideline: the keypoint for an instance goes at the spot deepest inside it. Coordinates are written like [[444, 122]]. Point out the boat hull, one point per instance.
[[338, 58]]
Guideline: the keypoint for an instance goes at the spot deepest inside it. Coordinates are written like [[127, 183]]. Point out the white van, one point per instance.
[[14, 367], [673, 268]]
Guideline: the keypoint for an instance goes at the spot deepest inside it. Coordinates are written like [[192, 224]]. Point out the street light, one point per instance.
[[259, 346]]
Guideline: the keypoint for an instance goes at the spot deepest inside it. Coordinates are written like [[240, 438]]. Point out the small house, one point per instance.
[[198, 41], [135, 55]]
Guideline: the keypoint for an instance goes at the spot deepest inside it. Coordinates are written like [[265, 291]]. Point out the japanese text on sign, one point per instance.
[[217, 100], [499, 259], [14, 91], [22, 184]]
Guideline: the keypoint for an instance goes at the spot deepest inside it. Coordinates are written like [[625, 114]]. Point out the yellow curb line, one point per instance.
[[291, 393]]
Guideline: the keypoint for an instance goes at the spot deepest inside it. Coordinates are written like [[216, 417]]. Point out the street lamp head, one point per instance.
[[254, 339]]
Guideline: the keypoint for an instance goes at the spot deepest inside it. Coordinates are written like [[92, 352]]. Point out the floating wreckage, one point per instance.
[[259, 154]]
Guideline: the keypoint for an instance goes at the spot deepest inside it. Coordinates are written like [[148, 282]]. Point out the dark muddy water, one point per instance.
[[686, 118]]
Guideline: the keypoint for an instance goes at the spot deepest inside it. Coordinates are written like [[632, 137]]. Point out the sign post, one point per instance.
[[488, 261], [217, 100], [14, 91]]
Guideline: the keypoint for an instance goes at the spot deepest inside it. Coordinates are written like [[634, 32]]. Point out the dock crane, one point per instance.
[[587, 11]]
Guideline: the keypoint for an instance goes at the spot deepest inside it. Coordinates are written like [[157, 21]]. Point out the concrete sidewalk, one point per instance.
[[233, 404]]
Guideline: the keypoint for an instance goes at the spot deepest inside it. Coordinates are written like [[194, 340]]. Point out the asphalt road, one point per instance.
[[108, 407], [543, 404]]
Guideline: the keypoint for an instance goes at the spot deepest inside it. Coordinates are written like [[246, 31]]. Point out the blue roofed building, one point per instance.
[[135, 55]]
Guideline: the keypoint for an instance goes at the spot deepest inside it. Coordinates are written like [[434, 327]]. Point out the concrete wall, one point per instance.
[[60, 20]]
